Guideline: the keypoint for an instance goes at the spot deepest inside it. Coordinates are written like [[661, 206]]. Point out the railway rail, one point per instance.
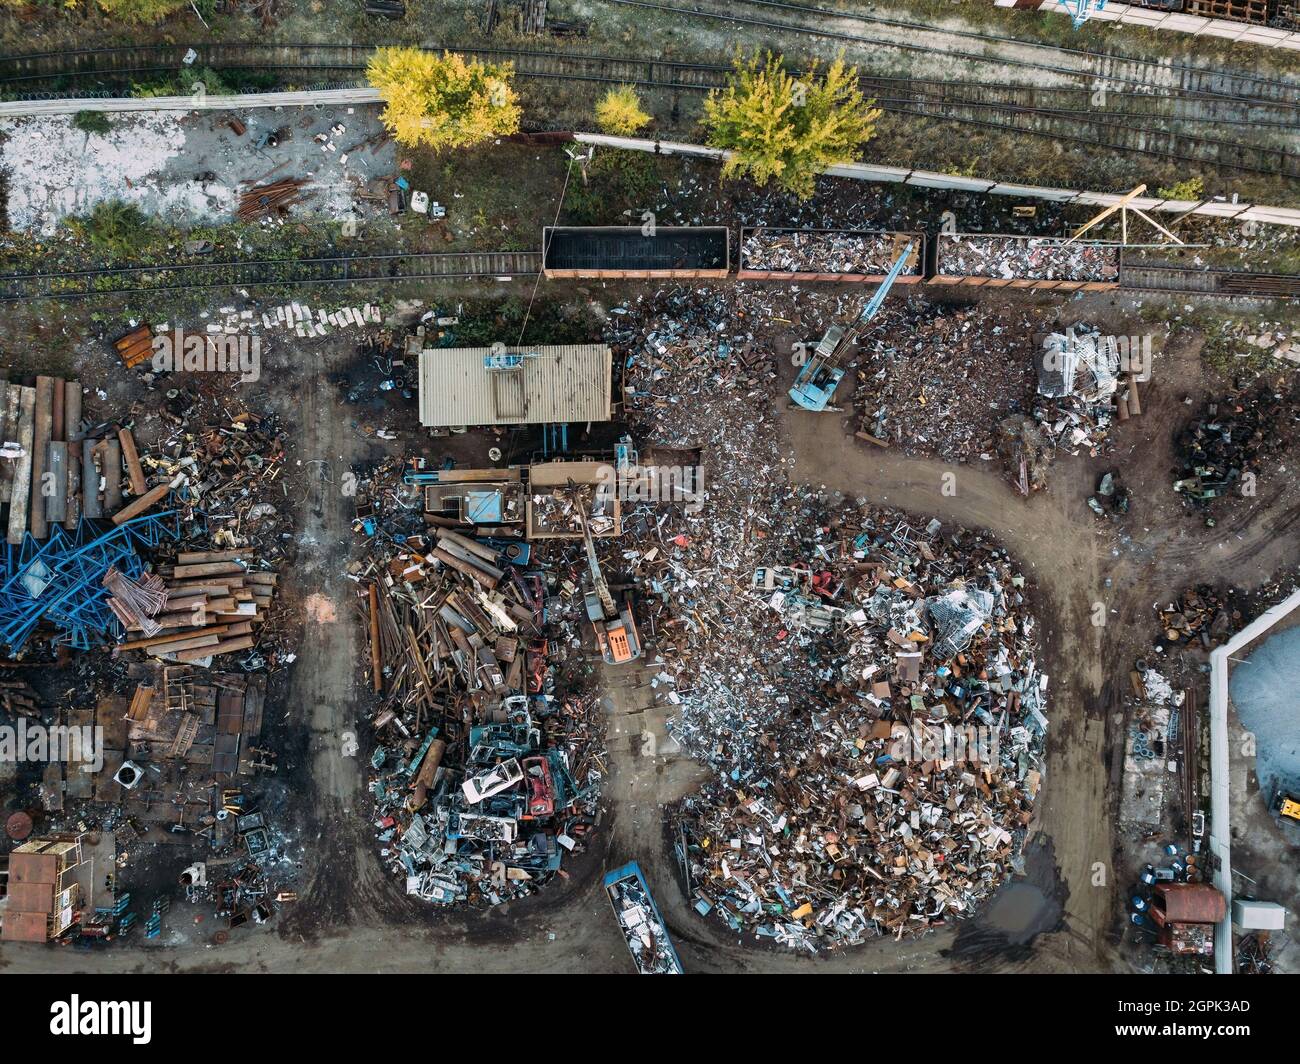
[[1227, 283], [1051, 112], [1172, 77], [433, 266], [260, 273]]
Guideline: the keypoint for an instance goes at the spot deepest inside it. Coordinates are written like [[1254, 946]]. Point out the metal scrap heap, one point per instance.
[[1028, 258], [818, 251], [1228, 444], [864, 688], [914, 375], [880, 778], [487, 763]]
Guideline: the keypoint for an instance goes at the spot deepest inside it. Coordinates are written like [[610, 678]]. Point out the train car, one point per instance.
[[642, 925], [864, 256], [996, 260], [624, 252]]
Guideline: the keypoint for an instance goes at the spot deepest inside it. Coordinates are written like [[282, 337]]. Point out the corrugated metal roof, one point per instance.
[[553, 384]]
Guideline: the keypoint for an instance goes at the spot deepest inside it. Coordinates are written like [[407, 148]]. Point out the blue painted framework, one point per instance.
[[73, 566]]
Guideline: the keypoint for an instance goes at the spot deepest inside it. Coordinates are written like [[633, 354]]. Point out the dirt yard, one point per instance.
[[1063, 916]]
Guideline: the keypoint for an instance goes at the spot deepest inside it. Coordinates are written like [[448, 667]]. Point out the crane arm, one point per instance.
[[597, 577]]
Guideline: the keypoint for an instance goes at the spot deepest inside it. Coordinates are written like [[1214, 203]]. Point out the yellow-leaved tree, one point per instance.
[[785, 129], [142, 10], [619, 112], [444, 101]]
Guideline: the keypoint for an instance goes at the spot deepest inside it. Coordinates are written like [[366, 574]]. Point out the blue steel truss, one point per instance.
[[61, 580]]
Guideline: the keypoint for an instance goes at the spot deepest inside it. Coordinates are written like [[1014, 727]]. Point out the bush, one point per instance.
[[1191, 189], [113, 227], [92, 122], [142, 10], [619, 113]]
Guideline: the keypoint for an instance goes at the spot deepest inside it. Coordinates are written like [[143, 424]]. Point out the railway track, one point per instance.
[[1227, 283], [1180, 78], [260, 273], [348, 269], [1065, 114]]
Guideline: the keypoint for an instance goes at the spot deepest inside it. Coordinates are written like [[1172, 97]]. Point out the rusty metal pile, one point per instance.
[[915, 373], [487, 760], [863, 687], [1229, 443], [1201, 615], [270, 201]]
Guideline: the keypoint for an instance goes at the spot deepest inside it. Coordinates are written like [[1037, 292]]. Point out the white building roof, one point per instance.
[[564, 383]]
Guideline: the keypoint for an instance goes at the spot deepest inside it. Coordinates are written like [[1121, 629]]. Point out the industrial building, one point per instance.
[[462, 386]]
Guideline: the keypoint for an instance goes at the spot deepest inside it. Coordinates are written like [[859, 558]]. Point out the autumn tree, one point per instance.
[[444, 101], [142, 10], [785, 129], [619, 112]]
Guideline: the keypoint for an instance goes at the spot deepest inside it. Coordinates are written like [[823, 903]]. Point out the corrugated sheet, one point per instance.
[[562, 384]]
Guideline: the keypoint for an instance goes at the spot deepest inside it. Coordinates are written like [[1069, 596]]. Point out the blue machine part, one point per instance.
[[822, 373], [1082, 10]]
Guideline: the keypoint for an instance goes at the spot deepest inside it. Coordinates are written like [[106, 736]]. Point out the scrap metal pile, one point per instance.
[[1202, 615], [864, 690], [1082, 385], [916, 370], [1228, 443], [818, 251], [488, 762], [1029, 258]]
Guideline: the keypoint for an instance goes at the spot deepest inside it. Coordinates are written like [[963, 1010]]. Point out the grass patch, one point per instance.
[[94, 122]]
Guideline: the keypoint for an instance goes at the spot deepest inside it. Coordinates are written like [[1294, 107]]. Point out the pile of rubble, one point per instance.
[[562, 510], [864, 691], [879, 778], [1226, 445], [487, 763], [818, 251]]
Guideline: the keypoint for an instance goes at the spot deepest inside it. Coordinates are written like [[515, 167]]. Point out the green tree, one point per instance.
[[788, 130], [444, 101], [619, 112]]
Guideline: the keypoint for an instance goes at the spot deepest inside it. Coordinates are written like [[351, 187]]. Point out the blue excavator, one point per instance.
[[823, 371]]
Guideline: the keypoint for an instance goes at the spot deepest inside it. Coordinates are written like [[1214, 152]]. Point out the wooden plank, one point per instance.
[[376, 662], [73, 434], [56, 410], [147, 501], [189, 643], [226, 646], [209, 569], [37, 524], [201, 557], [139, 486], [175, 637], [12, 398], [23, 471]]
